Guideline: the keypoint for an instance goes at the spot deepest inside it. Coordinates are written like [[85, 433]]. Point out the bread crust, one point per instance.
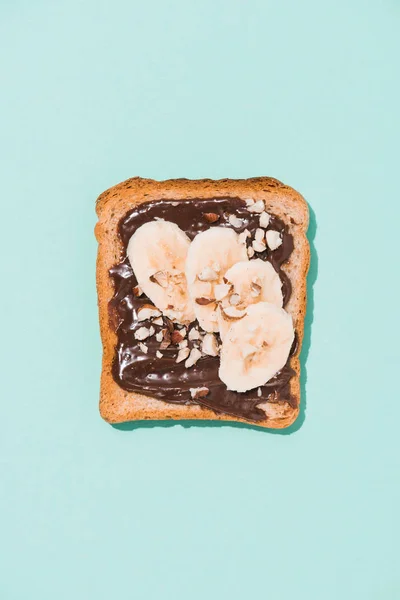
[[118, 405]]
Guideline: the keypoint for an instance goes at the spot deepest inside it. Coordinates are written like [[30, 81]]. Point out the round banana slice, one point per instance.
[[157, 252], [249, 282], [210, 255], [256, 347]]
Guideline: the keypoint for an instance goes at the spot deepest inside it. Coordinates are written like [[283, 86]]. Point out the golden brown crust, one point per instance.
[[118, 405]]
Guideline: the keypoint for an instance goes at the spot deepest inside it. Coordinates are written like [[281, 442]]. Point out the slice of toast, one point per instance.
[[118, 405]]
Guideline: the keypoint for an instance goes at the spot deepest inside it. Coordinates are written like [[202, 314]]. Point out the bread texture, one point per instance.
[[118, 405]]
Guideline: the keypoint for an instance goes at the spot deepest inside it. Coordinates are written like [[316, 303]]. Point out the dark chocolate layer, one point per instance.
[[163, 378]]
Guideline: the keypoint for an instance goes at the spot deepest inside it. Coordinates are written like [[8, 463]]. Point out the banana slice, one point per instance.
[[249, 282], [256, 347], [210, 255], [157, 252]]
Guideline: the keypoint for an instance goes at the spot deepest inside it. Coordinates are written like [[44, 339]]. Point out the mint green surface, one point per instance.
[[94, 92]]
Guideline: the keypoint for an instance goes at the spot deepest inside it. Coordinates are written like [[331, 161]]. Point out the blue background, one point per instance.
[[94, 92]]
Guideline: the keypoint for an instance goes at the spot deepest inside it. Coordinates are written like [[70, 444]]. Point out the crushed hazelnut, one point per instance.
[[211, 217], [199, 392], [194, 356]]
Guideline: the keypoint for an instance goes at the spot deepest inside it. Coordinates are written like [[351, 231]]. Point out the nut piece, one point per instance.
[[264, 219], [209, 345], [233, 313], [207, 274], [166, 339], [182, 354], [147, 311], [259, 392], [183, 344], [274, 239], [204, 301], [211, 217], [258, 207], [243, 236], [194, 334], [199, 392], [235, 221], [137, 291], [194, 356], [259, 246], [151, 331], [176, 337], [159, 336], [234, 299], [250, 252], [204, 289], [159, 354], [158, 321], [143, 347], [259, 235], [160, 277], [221, 290], [142, 333], [249, 201]]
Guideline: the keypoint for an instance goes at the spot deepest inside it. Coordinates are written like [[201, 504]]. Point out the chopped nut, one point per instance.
[[243, 236], [233, 313], [183, 331], [250, 252], [204, 301], [159, 354], [234, 299], [235, 221], [151, 331], [259, 235], [160, 277], [194, 334], [255, 289], [159, 336], [259, 392], [176, 337], [204, 289], [166, 340], [249, 201], [174, 203], [221, 290], [211, 217], [170, 325], [142, 333], [147, 311], [143, 347], [210, 345], [137, 291], [259, 246], [199, 392], [158, 321], [258, 207], [264, 219], [182, 354], [194, 356], [208, 274], [183, 344], [274, 239]]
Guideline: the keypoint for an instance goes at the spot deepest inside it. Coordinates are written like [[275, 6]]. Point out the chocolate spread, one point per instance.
[[163, 378]]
